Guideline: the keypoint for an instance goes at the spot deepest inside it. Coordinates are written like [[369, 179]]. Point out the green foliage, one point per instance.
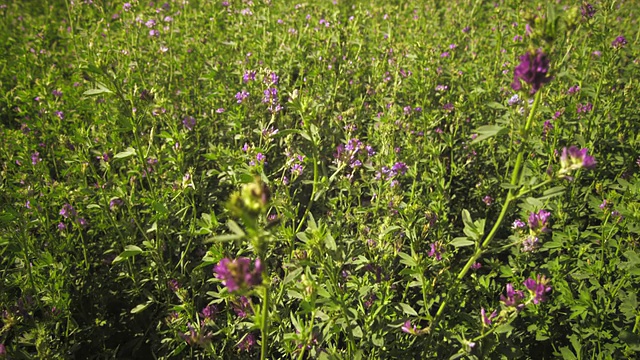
[[372, 155]]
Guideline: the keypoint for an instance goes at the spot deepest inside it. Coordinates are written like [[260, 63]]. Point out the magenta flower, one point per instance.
[[538, 221], [408, 328], [189, 122], [247, 342], [513, 298], [530, 243], [486, 320], [435, 251], [67, 211], [533, 70], [538, 288], [587, 10], [619, 42], [574, 159], [242, 307], [238, 274], [208, 312], [195, 338]]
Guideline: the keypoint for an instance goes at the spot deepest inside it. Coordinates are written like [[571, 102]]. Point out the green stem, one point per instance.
[[511, 196], [313, 194], [264, 323]]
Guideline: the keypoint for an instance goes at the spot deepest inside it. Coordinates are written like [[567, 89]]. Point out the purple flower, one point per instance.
[[476, 266], [587, 10], [261, 158], [242, 307], [189, 122], [515, 99], [56, 93], [241, 96], [435, 251], [538, 288], [238, 273], [486, 320], [574, 89], [67, 211], [247, 342], [488, 200], [584, 108], [605, 204], [35, 158], [533, 69], [574, 158], [60, 115], [538, 221], [296, 170], [248, 76], [208, 312], [518, 224], [270, 95], [530, 243], [83, 222], [61, 226], [513, 298], [173, 285], [408, 328], [399, 168], [619, 42], [195, 338], [115, 203]]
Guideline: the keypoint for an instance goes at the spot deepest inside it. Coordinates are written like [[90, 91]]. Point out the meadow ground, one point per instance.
[[319, 180]]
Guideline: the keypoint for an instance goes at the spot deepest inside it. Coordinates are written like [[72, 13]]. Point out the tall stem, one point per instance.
[[515, 178], [264, 326]]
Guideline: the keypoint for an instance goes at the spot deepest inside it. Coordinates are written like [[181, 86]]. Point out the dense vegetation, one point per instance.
[[330, 180]]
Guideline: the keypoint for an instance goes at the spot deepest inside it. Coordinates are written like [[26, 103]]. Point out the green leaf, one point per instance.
[[487, 131], [291, 276], [140, 307], [567, 354], [125, 154], [407, 309], [100, 90], [330, 242], [407, 259], [461, 242], [129, 251]]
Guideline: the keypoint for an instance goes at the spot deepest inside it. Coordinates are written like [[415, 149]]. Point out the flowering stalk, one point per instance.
[[511, 196]]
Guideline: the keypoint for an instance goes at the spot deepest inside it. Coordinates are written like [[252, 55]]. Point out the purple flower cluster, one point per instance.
[[539, 221], [193, 337], [538, 288], [533, 70], [435, 251], [241, 96], [248, 76], [619, 42], [247, 342], [514, 298], [271, 98], [587, 10], [239, 273], [350, 153], [584, 108], [574, 89], [574, 158], [189, 122]]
